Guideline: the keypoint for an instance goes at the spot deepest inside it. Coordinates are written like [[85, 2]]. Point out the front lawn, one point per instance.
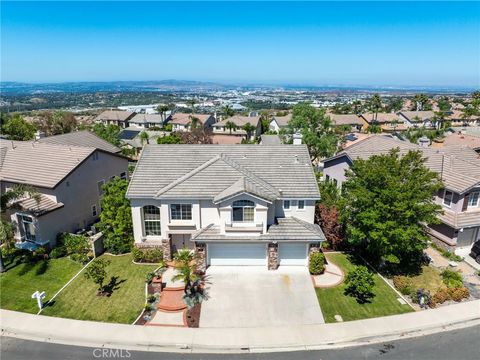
[[429, 279], [80, 301], [333, 301], [19, 282]]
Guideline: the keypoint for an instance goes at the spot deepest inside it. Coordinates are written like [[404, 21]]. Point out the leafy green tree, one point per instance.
[[194, 122], [17, 128], [316, 130], [359, 284], [374, 129], [230, 125], [57, 122], [227, 111], [17, 192], [109, 133], [386, 203], [116, 217], [144, 138], [97, 272], [173, 138], [162, 110], [395, 104], [6, 240], [444, 104], [249, 129]]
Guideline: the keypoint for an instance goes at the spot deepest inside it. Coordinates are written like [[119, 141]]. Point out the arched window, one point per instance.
[[243, 210], [151, 220]]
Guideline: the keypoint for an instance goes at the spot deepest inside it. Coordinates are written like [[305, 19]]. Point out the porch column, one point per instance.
[[272, 256], [167, 249], [201, 251]]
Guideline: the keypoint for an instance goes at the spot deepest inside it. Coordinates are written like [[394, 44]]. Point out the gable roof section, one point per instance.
[[282, 121], [417, 116], [205, 171], [81, 138], [239, 121], [185, 119], [381, 117], [346, 119], [114, 115], [147, 118], [245, 185], [43, 206]]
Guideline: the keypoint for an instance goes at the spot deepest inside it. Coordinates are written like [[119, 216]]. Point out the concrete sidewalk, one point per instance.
[[260, 339]]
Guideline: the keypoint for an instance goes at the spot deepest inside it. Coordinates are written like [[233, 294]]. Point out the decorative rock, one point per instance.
[[338, 318]]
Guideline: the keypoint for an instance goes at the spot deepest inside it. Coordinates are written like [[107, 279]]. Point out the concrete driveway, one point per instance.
[[252, 296]]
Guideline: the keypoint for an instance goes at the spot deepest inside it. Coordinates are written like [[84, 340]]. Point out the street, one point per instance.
[[453, 345]]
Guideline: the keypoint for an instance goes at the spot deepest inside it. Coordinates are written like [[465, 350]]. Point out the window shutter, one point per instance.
[[465, 203]]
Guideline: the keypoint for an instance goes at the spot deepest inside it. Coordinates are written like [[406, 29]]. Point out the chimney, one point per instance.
[[297, 139]]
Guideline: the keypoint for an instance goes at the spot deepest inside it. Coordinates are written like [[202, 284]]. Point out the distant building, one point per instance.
[[182, 121], [417, 118], [239, 121], [115, 117], [352, 120], [279, 122], [145, 121]]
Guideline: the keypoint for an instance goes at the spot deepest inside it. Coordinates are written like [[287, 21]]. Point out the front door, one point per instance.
[[180, 241]]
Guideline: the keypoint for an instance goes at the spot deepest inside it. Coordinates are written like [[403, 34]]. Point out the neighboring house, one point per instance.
[[417, 118], [81, 138], [115, 117], [270, 140], [130, 137], [460, 138], [280, 122], [352, 120], [145, 121], [235, 205], [457, 166], [181, 121], [68, 178], [239, 121], [456, 117], [388, 121]]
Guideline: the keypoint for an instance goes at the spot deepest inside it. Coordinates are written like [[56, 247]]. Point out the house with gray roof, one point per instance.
[[115, 117], [417, 118], [145, 121], [222, 127], [68, 178], [280, 122], [235, 205], [457, 166]]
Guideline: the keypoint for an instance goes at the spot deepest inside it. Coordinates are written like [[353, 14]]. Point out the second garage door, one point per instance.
[[292, 254], [237, 254]]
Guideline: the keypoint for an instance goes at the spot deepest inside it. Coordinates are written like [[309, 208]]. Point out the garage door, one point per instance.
[[237, 254], [292, 254]]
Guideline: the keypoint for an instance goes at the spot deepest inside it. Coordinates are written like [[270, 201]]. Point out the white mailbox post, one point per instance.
[[39, 296]]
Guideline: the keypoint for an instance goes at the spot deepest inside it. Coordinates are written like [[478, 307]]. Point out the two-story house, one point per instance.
[[68, 178], [457, 166], [183, 122], [235, 205]]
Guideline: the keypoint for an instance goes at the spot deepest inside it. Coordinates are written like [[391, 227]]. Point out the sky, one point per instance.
[[311, 43]]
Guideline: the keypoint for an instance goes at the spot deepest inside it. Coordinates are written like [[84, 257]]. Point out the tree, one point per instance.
[[395, 104], [17, 128], [227, 111], [231, 126], [421, 102], [316, 130], [192, 103], [329, 220], [6, 238], [359, 284], [97, 272], [116, 217], [386, 203], [109, 133], [194, 122], [197, 136], [144, 138], [58, 122], [374, 129], [173, 138], [357, 107], [374, 105], [249, 129], [162, 110], [17, 192], [194, 292]]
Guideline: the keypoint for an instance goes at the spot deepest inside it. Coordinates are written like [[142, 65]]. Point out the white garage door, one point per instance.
[[292, 254], [237, 254]]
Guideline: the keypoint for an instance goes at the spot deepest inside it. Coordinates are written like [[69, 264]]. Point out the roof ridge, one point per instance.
[[187, 175]]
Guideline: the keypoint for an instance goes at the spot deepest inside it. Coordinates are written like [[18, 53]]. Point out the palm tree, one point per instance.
[[420, 101], [230, 125], [249, 129], [162, 109], [228, 111], [144, 138], [194, 122], [375, 105], [192, 103]]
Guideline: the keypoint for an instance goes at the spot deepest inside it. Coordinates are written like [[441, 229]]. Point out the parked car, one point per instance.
[[475, 252]]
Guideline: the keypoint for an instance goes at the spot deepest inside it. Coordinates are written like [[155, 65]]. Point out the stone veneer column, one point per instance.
[[272, 256], [201, 250], [167, 249]]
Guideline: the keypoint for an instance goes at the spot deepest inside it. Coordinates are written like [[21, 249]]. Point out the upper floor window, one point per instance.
[[151, 220], [181, 211], [447, 198], [301, 204], [94, 210], [286, 204], [100, 186], [243, 210], [473, 199]]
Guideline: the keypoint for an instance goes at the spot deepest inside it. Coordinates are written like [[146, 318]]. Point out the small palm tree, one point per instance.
[[186, 272], [230, 125], [249, 129], [194, 122], [144, 138], [228, 111]]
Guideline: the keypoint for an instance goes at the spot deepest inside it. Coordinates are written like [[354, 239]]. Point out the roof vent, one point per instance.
[[296, 159]]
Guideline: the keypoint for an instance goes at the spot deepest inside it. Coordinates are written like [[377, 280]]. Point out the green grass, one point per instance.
[[333, 301], [80, 301], [19, 283], [429, 279]]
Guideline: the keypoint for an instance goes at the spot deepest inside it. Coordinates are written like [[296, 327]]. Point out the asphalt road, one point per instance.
[[461, 344]]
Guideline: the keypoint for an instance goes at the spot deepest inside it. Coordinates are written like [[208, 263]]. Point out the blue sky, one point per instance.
[[350, 43]]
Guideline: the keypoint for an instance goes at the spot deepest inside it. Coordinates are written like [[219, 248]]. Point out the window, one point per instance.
[[286, 204], [94, 210], [327, 178], [473, 199], [243, 211], [123, 175], [28, 227], [181, 211], [95, 156], [151, 220], [447, 198], [301, 204], [99, 186]]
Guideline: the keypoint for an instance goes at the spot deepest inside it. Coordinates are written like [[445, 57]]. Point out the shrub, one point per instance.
[[458, 294], [452, 279], [81, 258], [76, 244], [58, 252], [403, 284], [359, 284], [154, 255], [151, 298], [149, 277], [148, 308], [40, 253], [441, 296], [138, 255], [317, 263]]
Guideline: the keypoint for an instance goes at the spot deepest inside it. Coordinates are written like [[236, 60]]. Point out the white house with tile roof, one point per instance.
[[68, 172], [235, 205], [457, 166]]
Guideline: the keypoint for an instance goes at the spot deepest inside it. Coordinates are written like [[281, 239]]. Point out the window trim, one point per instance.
[[470, 197], [289, 205], [144, 222], [181, 211], [444, 197], [243, 207]]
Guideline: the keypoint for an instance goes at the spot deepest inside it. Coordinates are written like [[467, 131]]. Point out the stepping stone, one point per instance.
[[401, 301], [338, 318]]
